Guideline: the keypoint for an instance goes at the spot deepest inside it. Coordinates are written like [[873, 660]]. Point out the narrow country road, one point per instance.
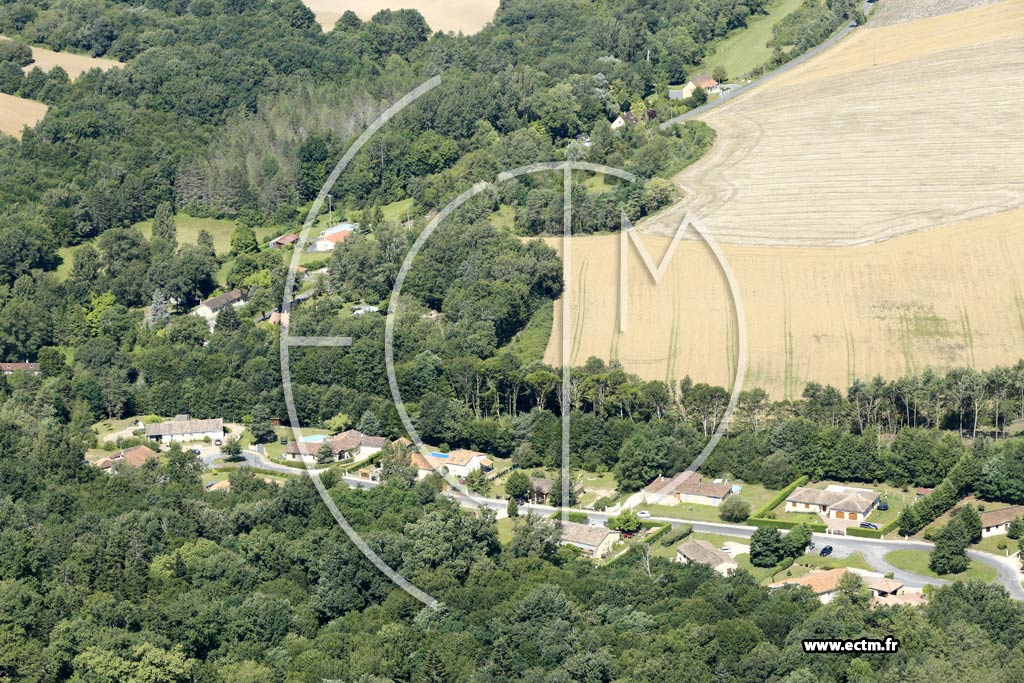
[[873, 550], [788, 66]]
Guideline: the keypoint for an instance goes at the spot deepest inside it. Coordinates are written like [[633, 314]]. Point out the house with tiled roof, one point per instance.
[[353, 445], [11, 368], [685, 487], [594, 541], [282, 241], [333, 236], [833, 502], [183, 428], [459, 463], [133, 457], [824, 583], [995, 522], [695, 551]]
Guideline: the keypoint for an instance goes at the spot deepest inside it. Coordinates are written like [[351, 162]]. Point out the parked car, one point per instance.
[[196, 451], [868, 525], [826, 551], [643, 514], [883, 506], [810, 545], [218, 442], [283, 440]]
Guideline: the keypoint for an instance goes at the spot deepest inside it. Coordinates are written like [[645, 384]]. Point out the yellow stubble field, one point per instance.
[[952, 296]]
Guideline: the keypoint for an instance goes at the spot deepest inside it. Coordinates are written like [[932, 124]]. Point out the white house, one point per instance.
[[625, 118], [459, 463], [594, 541], [184, 428], [353, 445], [709, 84], [333, 236], [702, 552], [834, 502], [998, 521]]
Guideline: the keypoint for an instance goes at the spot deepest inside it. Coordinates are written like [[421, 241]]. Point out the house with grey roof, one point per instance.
[[694, 551], [183, 428], [594, 541]]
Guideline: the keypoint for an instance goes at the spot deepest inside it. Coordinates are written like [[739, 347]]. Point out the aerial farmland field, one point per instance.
[[74, 64], [17, 112], [869, 203]]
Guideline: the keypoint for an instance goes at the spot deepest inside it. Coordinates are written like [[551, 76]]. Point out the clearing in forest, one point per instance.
[[17, 112], [74, 64], [467, 16]]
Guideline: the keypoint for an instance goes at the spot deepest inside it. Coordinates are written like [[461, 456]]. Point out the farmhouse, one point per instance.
[[353, 444], [834, 502], [685, 487], [998, 521], [209, 309], [704, 81], [333, 236], [702, 552], [594, 541], [133, 457], [282, 241], [11, 368], [184, 428]]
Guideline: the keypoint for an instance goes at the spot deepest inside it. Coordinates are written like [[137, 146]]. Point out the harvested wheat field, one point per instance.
[[896, 129], [467, 16], [75, 65], [951, 296], [17, 112]]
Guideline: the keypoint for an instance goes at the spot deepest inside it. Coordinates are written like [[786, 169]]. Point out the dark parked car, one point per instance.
[[868, 525], [826, 551], [283, 440], [883, 506]]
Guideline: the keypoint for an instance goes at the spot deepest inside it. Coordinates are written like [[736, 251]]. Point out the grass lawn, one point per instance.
[[504, 218], [754, 494], [395, 212], [597, 183], [917, 561], [275, 449], [855, 561], [982, 506], [529, 344], [745, 49], [991, 545], [505, 530], [188, 233]]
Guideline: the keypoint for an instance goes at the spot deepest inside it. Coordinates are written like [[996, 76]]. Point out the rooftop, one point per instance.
[[847, 500], [819, 582], [998, 517], [704, 553], [177, 427], [584, 534]]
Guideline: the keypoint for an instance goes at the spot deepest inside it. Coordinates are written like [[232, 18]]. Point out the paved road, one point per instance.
[[788, 66], [209, 454], [873, 550]]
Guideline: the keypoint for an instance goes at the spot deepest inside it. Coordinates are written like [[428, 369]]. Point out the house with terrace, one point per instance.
[[833, 502]]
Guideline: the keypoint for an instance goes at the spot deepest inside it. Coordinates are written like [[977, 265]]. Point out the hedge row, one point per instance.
[[786, 524], [665, 528], [890, 527], [677, 534], [780, 496], [863, 533]]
